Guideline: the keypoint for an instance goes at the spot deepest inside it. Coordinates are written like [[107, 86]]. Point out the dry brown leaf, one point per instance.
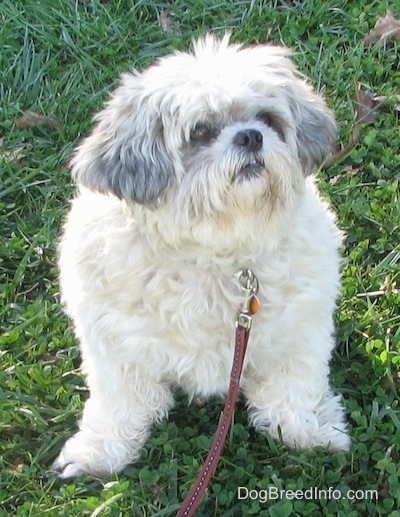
[[386, 28], [349, 171], [31, 119], [380, 99], [168, 24], [365, 106], [364, 114], [11, 155]]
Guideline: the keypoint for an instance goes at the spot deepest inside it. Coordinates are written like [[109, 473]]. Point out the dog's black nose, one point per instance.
[[251, 139]]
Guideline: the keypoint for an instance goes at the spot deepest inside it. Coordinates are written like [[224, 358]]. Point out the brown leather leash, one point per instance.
[[250, 306]]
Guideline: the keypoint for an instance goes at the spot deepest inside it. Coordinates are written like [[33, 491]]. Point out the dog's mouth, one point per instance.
[[252, 169]]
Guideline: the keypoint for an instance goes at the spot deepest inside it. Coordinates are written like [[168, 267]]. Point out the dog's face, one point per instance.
[[210, 135]]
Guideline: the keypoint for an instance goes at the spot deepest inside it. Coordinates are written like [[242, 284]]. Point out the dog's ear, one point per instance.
[[125, 155], [314, 123], [315, 129]]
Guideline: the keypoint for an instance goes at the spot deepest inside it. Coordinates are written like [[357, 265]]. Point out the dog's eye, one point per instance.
[[266, 118], [271, 121], [201, 133]]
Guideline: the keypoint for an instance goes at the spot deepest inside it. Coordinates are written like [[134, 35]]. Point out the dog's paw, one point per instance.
[[323, 427], [334, 437], [65, 468], [83, 453], [97, 456]]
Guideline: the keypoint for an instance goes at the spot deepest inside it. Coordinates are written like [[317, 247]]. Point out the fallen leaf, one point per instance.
[[365, 106], [364, 114], [386, 28], [380, 99], [11, 154], [31, 119], [388, 286], [168, 24], [349, 171], [155, 488]]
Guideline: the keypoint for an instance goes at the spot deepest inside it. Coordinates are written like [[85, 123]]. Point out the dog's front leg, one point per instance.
[[116, 422]]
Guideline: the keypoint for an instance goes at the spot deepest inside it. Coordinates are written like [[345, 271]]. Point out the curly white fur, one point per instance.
[[163, 221]]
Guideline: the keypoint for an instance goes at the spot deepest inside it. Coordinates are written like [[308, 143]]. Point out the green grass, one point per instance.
[[60, 58]]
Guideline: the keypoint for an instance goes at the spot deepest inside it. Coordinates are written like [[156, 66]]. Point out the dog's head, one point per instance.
[[223, 128]]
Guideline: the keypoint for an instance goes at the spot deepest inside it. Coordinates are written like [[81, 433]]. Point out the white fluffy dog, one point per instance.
[[198, 167]]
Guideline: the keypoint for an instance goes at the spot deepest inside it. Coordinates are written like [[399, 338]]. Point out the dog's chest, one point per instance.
[[191, 318], [187, 301]]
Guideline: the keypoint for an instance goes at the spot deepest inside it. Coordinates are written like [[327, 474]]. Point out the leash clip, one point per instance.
[[249, 285]]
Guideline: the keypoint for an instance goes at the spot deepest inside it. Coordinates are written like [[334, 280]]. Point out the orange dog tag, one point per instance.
[[254, 305]]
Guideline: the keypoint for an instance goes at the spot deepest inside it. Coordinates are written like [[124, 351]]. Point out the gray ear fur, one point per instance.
[[125, 155], [315, 126], [316, 133]]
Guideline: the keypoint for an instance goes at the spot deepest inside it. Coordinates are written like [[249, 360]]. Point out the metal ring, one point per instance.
[[247, 280]]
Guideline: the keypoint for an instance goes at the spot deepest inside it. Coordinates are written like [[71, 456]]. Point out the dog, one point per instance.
[[198, 167]]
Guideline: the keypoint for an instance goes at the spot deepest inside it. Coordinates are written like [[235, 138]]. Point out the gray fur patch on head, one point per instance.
[[130, 171], [125, 155], [315, 130]]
